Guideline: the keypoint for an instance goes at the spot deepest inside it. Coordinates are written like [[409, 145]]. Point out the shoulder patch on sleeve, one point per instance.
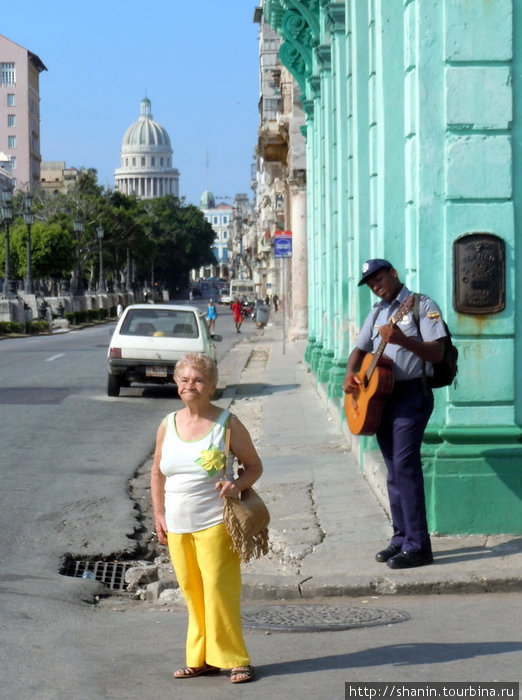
[[433, 315]]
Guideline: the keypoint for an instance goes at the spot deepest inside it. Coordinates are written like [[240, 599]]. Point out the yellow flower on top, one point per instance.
[[212, 460]]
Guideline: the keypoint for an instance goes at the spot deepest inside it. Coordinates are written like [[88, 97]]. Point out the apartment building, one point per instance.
[[56, 178], [279, 183], [219, 217], [20, 112]]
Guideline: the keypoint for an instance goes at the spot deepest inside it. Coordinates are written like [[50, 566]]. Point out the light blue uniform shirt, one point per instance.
[[406, 365]]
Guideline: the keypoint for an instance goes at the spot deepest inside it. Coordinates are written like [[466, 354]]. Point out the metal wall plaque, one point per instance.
[[479, 274]]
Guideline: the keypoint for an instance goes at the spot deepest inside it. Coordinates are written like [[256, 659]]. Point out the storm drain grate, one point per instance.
[[111, 573], [318, 618]]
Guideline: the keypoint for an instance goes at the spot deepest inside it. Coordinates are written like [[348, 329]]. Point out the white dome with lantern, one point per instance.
[[146, 159]]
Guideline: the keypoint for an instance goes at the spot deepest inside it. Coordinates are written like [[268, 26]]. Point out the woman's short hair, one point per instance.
[[200, 361]]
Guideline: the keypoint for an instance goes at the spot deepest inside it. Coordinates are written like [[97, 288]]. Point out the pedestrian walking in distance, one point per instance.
[[405, 413], [237, 313], [211, 316]]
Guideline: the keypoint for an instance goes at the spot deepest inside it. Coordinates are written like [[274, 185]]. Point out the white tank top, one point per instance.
[[191, 501]]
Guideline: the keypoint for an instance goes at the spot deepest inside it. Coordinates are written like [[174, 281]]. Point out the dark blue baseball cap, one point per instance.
[[371, 266]]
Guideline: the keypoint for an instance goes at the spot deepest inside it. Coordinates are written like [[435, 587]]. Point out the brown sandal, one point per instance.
[[192, 672], [241, 674]]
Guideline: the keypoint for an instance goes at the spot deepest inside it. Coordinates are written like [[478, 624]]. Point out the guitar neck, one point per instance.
[[376, 357], [406, 305]]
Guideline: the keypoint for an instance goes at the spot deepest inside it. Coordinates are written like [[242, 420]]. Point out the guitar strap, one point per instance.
[[416, 312], [377, 309], [416, 319]]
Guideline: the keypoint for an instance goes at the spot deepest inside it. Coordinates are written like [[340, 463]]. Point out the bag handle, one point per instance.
[[227, 442], [229, 457]]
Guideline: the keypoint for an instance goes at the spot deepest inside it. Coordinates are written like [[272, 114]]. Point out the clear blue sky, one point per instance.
[[196, 61]]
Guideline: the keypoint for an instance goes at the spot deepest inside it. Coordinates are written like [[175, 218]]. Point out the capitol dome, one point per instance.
[[146, 159], [145, 133]]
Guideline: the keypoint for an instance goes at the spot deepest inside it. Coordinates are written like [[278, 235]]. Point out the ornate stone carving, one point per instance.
[[297, 21]]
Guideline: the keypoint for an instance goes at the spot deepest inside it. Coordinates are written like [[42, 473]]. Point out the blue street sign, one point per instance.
[[282, 247]]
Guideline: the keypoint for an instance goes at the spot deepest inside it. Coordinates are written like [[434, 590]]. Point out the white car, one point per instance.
[[150, 338]]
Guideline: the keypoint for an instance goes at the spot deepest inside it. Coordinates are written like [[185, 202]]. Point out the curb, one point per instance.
[[266, 587], [295, 588]]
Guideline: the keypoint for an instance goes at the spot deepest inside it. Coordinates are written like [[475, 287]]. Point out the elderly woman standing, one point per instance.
[[187, 489]]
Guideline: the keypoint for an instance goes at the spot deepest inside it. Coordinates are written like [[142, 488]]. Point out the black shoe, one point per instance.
[[407, 560], [390, 551]]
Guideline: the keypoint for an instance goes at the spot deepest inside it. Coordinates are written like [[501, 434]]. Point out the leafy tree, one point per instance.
[[52, 250], [124, 232], [13, 257], [182, 239], [201, 235], [162, 237]]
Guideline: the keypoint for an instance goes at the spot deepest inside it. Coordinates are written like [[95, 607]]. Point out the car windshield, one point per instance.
[[160, 323]]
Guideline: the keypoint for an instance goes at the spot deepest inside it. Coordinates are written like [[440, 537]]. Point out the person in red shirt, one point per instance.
[[238, 316]]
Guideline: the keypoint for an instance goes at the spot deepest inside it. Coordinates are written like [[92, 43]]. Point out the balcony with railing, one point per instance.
[[273, 136]]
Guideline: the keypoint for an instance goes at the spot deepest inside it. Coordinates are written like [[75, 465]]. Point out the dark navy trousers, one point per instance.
[[405, 416]]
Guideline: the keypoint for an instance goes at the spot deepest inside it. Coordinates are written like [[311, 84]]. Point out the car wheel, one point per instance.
[[113, 385]]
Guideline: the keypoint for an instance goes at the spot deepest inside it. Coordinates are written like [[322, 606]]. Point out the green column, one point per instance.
[[328, 215], [313, 350], [340, 220], [314, 235]]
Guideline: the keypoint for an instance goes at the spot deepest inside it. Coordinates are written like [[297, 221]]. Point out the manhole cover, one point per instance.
[[318, 618], [111, 573]]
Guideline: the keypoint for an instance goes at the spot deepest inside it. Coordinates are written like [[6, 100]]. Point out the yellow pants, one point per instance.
[[209, 575]]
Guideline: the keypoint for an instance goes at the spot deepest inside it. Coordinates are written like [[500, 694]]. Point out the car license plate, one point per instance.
[[156, 372]]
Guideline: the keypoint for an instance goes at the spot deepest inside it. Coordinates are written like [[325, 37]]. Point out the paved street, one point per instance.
[[58, 651], [68, 455]]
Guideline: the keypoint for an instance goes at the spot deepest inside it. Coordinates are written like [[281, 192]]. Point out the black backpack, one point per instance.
[[445, 371]]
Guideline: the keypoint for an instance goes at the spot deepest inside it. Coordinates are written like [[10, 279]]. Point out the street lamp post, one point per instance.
[[28, 221], [7, 216], [78, 228], [127, 273], [100, 232], [116, 287]]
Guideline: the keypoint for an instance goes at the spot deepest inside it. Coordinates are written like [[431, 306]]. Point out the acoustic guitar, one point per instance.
[[363, 408]]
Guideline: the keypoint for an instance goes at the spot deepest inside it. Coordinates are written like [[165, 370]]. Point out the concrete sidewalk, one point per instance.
[[326, 523]]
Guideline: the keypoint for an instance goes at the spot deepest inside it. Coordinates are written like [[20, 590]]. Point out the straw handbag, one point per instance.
[[246, 518]]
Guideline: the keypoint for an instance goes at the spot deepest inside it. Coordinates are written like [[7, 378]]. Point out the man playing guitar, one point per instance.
[[407, 408]]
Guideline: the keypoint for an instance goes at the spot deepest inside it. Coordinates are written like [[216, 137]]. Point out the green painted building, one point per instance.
[[414, 154]]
